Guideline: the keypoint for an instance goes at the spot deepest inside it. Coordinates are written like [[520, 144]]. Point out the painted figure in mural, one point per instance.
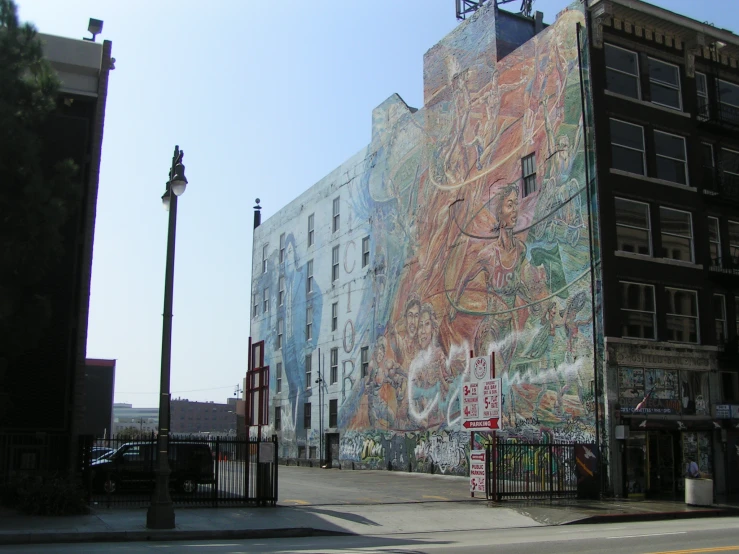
[[543, 342], [405, 344]]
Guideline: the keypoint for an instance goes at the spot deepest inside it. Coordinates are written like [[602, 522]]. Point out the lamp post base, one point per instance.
[[160, 516]]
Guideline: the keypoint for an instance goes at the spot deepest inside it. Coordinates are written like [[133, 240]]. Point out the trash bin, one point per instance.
[[699, 492]]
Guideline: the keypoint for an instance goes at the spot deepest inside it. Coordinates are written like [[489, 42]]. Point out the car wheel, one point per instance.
[[188, 485], [110, 484]]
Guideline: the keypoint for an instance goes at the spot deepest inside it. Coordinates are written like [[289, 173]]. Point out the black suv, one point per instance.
[[133, 466]]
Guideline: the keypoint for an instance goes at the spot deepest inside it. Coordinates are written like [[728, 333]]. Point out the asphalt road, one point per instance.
[[665, 537]]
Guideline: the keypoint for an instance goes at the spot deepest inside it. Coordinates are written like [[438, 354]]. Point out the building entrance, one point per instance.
[[661, 460]]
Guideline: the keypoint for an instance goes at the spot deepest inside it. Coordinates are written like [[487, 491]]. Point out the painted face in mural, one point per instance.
[[425, 330], [509, 211], [411, 320]]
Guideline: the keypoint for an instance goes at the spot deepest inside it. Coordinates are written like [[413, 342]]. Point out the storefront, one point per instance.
[[663, 409]]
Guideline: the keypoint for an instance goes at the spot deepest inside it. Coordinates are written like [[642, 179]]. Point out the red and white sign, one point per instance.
[[477, 471], [481, 396]]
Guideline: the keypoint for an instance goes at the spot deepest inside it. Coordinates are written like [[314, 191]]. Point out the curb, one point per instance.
[[165, 535], [654, 516]]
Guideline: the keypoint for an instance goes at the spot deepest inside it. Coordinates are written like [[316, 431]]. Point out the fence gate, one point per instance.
[[208, 471], [520, 470]]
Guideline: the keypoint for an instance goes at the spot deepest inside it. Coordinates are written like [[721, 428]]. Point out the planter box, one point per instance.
[[699, 492]]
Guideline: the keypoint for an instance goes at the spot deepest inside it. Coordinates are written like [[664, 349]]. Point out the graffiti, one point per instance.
[[447, 451]]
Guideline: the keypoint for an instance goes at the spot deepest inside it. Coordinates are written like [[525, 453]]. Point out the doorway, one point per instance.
[[661, 458], [332, 449]]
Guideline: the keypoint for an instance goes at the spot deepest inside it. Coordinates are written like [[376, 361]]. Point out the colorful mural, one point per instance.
[[467, 257]]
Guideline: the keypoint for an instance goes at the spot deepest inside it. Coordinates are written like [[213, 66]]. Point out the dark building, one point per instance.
[[99, 389], [666, 104], [44, 390], [188, 417]]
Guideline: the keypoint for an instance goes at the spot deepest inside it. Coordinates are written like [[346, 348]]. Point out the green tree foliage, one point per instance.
[[37, 196]]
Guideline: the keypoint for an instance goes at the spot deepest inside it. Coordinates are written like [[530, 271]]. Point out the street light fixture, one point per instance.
[[161, 511]]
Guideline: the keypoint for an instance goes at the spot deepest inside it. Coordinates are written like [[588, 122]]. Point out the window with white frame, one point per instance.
[[308, 371], [730, 168], [719, 315], [627, 147], [622, 71], [334, 263], [733, 243], [672, 164], [728, 100], [307, 408], [664, 84], [281, 291], [278, 418], [280, 325], [528, 172], [309, 322], [637, 310], [677, 234], [709, 167], [309, 276], [255, 308], [265, 301], [333, 412], [714, 241], [334, 365], [336, 215], [282, 247], [311, 229], [364, 359], [701, 85], [682, 315], [633, 232], [278, 376], [334, 316], [365, 251], [264, 259]]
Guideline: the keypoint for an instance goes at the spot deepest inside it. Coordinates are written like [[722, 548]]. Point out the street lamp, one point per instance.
[[161, 511]]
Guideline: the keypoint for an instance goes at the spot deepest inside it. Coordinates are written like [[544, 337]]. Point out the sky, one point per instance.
[[265, 98]]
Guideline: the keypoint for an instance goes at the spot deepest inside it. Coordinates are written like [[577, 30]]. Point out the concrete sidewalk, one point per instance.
[[118, 524]]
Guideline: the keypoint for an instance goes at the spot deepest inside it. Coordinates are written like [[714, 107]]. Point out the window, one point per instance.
[[682, 315], [671, 158], [265, 301], [311, 230], [719, 315], [282, 247], [677, 234], [364, 358], [308, 371], [730, 386], [278, 376], [637, 311], [664, 84], [278, 418], [334, 263], [306, 415], [709, 168], [702, 90], [255, 309], [728, 101], [309, 323], [334, 316], [281, 293], [714, 238], [528, 169], [627, 147], [622, 71], [334, 365], [279, 333], [733, 242], [730, 167], [633, 232], [336, 220], [264, 259], [309, 277], [365, 251], [333, 413]]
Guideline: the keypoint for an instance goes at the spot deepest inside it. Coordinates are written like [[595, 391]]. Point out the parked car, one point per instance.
[[98, 452], [133, 465]]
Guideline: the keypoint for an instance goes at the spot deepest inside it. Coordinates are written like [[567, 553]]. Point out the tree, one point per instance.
[[37, 196]]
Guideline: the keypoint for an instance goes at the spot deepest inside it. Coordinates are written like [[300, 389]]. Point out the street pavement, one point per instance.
[[318, 502]]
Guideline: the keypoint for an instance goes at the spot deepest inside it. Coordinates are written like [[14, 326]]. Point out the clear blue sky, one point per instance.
[[265, 98]]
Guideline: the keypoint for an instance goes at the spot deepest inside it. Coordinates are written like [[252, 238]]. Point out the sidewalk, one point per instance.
[[119, 524]]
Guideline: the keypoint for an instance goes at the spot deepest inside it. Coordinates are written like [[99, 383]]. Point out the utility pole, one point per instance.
[[319, 381]]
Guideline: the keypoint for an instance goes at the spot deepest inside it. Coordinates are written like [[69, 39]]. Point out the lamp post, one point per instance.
[[319, 382], [161, 512]]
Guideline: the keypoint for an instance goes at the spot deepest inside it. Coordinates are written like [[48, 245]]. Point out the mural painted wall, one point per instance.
[[465, 255]]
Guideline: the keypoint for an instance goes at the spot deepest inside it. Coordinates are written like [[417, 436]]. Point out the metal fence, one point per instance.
[[208, 471], [519, 470]]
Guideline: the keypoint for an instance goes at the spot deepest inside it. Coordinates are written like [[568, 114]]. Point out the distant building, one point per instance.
[[99, 388], [128, 418], [190, 417]]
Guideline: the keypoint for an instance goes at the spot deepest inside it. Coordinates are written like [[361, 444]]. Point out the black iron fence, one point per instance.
[[204, 470], [519, 470]]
